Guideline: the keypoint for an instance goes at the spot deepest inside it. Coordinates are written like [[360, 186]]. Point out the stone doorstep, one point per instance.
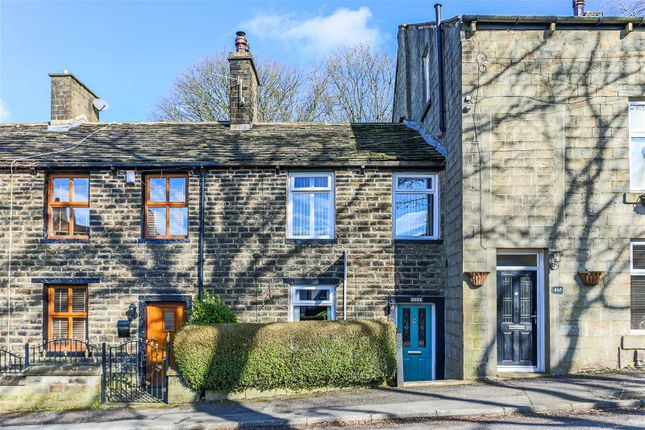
[[63, 370], [438, 383]]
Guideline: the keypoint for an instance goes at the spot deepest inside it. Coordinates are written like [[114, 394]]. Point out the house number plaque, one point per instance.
[[557, 290]]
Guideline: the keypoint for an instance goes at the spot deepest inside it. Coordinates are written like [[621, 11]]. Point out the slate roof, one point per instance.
[[215, 144]]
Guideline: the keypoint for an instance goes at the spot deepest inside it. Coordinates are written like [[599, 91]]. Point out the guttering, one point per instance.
[[442, 101], [503, 21], [200, 261]]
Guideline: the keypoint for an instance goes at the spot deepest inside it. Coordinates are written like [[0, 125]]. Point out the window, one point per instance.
[[637, 300], [68, 206], [313, 303], [415, 206], [166, 208], [637, 146], [67, 315], [310, 206], [425, 65]]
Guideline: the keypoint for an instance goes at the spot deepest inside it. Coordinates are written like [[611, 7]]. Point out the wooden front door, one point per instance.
[[163, 320], [517, 318]]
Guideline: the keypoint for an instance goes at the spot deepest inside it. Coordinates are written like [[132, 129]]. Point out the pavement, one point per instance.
[[364, 406]]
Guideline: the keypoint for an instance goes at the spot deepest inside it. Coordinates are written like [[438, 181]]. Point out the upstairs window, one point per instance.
[[416, 206], [68, 206], [310, 206], [637, 297], [313, 303], [166, 208], [637, 146], [67, 316], [425, 65]]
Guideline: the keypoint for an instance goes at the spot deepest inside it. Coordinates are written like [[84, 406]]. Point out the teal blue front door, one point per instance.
[[416, 326]]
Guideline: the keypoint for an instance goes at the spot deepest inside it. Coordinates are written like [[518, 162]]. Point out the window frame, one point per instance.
[[295, 302], [71, 204], [331, 189], [70, 315], [633, 133], [165, 204], [634, 272], [425, 72], [434, 191]]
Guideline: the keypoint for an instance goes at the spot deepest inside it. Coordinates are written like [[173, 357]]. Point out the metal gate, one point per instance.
[[135, 371]]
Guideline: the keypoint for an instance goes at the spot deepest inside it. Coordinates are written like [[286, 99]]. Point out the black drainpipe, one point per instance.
[[442, 102], [200, 261]]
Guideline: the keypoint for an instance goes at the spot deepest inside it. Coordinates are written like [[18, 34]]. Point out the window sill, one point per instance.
[[62, 240], [419, 241], [310, 241], [150, 240]]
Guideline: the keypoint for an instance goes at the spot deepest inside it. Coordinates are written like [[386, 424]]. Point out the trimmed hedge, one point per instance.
[[295, 355], [211, 310]]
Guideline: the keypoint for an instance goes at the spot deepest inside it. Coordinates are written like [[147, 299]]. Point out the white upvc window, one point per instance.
[[637, 286], [415, 206], [310, 206], [313, 303], [425, 65], [637, 146]]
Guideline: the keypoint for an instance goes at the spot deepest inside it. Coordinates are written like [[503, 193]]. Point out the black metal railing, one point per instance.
[[61, 351], [135, 371], [10, 362]]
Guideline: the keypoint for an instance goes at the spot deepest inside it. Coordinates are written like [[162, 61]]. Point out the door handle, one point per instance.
[[414, 352]]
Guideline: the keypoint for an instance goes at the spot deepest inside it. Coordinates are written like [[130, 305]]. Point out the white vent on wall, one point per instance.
[[637, 146]]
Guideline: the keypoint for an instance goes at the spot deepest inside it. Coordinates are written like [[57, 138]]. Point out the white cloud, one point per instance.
[[4, 112], [318, 34]]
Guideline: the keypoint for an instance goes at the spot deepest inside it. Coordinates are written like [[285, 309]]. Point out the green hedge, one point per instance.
[[295, 355]]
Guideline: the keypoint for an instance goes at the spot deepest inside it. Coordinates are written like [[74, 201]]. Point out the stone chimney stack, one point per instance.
[[578, 7], [243, 86], [71, 100]]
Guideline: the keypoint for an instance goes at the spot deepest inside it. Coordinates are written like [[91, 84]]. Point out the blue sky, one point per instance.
[[130, 52]]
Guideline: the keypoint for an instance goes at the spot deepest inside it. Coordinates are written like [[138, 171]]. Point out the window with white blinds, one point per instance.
[[637, 298], [637, 145], [67, 312], [310, 206], [415, 206]]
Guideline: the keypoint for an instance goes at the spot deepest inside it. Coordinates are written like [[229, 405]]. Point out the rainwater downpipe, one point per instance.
[[344, 284], [439, 37], [200, 261]]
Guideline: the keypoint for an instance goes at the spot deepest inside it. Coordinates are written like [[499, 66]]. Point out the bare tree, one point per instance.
[[201, 93], [625, 7], [351, 85]]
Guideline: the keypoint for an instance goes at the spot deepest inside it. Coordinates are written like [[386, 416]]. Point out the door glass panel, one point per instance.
[[517, 260], [525, 299], [422, 327], [169, 321], [507, 299], [406, 327]]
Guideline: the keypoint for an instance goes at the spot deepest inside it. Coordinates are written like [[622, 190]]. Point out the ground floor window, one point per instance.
[[637, 299], [67, 314], [313, 303]]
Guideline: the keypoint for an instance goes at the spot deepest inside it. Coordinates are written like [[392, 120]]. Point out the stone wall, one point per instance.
[[245, 213], [537, 159], [545, 166]]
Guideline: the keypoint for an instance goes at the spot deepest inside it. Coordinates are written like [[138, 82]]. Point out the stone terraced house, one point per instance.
[[498, 220]]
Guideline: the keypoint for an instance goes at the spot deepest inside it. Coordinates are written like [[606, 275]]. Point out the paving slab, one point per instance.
[[492, 397]]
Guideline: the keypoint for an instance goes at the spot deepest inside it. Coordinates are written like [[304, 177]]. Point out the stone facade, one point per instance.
[[537, 158], [245, 214]]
